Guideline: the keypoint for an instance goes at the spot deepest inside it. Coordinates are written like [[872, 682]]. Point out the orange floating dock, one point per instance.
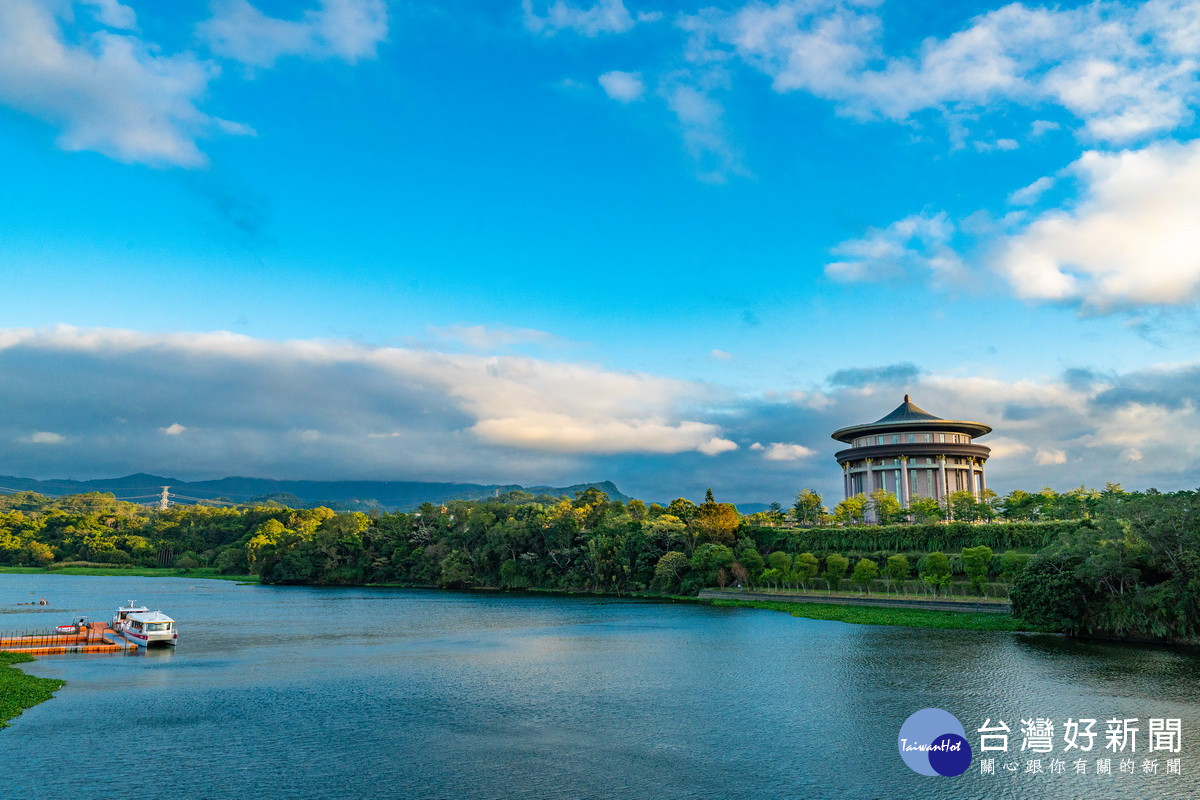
[[94, 638]]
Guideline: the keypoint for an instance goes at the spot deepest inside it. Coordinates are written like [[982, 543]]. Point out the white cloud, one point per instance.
[[783, 451], [1131, 239], [702, 126], [1125, 72], [111, 93], [355, 392], [606, 16], [1030, 194], [720, 355], [1040, 127], [348, 30], [1005, 447], [918, 244], [44, 437], [625, 87], [492, 337], [174, 429], [1048, 455], [113, 13]]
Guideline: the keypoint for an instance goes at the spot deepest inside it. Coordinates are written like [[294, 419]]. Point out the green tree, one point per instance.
[[669, 570], [963, 506], [896, 570], [682, 508], [512, 575], [865, 573], [780, 560], [750, 558], [935, 571], [886, 507], [926, 510], [852, 510], [1012, 563], [716, 522], [835, 570], [976, 562], [805, 568], [808, 508], [454, 571], [712, 562]]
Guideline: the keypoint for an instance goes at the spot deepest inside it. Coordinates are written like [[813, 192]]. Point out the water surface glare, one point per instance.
[[297, 692]]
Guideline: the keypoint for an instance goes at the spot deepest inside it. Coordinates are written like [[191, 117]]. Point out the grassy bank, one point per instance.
[[18, 690], [140, 572], [911, 617]]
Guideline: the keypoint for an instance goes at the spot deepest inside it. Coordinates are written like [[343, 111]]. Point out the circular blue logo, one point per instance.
[[934, 742]]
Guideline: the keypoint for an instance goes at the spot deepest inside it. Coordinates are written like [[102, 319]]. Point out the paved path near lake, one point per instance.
[[993, 607]]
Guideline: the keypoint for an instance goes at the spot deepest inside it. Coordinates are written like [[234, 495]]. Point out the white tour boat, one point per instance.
[[144, 627]]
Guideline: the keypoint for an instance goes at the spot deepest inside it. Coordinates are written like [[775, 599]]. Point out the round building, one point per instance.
[[911, 453]]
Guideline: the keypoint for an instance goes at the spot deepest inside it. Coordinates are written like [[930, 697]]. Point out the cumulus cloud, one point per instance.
[[113, 13], [253, 405], [605, 16], [625, 87], [1130, 239], [110, 92], [328, 409], [349, 30], [1048, 455], [919, 245], [44, 437], [1124, 72], [785, 451], [1028, 195]]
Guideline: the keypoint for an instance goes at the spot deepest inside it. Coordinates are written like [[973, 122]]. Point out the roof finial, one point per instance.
[[906, 398]]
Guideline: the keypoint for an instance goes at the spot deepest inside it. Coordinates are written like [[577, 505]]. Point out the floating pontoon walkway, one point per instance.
[[95, 638]]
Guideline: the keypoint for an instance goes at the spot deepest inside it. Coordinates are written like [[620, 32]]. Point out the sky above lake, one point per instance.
[[673, 245]]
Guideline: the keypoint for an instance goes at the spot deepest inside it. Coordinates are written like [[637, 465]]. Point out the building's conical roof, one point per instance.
[[907, 412], [908, 416]]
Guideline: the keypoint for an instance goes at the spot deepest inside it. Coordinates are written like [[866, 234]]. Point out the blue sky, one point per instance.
[[669, 244]]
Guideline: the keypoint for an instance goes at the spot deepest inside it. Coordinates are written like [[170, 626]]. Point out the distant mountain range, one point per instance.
[[340, 495]]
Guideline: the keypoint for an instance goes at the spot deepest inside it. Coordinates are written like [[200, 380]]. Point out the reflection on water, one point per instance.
[[318, 693]]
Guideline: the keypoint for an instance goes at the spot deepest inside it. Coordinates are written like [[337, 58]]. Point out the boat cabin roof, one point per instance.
[[131, 609], [151, 616]]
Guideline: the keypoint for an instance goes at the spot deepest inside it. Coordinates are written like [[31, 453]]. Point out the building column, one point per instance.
[[971, 479], [941, 488], [982, 478], [904, 480], [846, 479], [869, 486]]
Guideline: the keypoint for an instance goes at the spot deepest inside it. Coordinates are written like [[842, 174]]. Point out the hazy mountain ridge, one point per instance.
[[389, 495]]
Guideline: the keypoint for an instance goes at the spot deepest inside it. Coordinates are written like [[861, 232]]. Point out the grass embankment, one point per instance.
[[911, 617], [18, 690], [139, 572], [919, 597]]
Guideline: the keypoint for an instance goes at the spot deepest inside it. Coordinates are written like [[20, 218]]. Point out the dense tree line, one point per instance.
[[1129, 564]]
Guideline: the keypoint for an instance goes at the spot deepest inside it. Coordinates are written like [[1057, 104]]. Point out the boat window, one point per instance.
[[158, 626]]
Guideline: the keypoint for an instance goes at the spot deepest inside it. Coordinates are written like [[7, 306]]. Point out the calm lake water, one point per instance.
[[290, 692]]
